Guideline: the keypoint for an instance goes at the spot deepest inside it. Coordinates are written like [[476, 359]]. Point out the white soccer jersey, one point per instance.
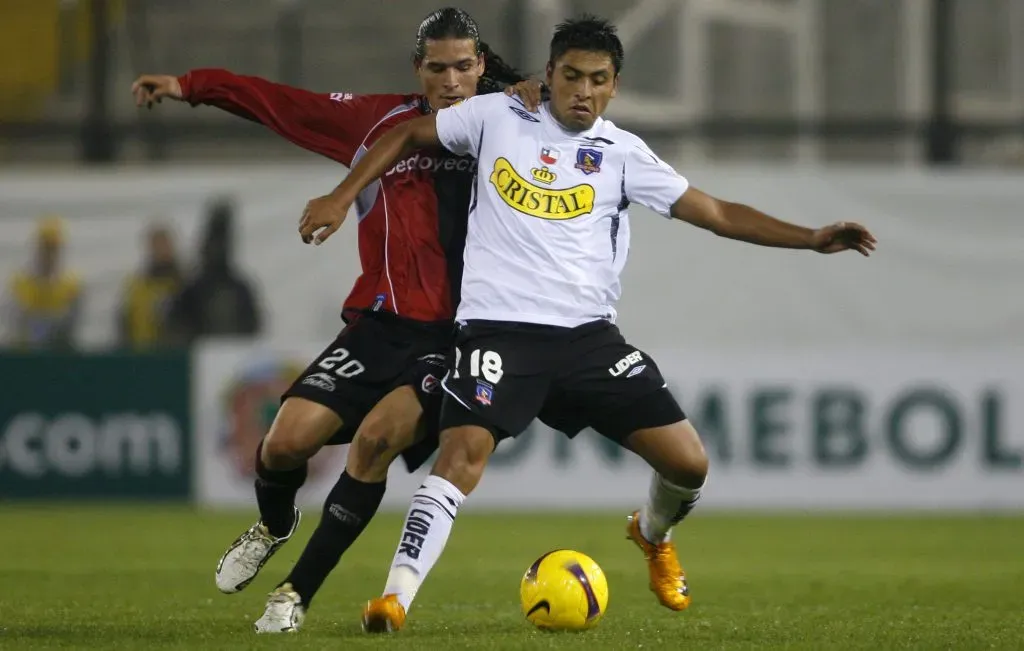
[[548, 229]]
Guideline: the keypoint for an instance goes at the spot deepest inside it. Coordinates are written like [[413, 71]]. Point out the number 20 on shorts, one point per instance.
[[351, 368], [485, 364]]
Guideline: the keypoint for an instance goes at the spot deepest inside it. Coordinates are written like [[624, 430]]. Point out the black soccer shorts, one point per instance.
[[503, 375], [374, 354]]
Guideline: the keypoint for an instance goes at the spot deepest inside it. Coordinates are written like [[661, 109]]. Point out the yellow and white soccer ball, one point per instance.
[[564, 590]]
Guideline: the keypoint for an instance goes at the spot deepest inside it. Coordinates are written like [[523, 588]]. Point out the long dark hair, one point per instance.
[[451, 23]]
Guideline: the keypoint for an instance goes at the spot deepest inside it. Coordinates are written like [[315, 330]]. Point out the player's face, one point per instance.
[[582, 83], [449, 71]]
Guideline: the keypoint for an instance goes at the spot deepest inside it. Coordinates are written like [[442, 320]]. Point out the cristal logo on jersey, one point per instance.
[[549, 156], [543, 203], [589, 160]]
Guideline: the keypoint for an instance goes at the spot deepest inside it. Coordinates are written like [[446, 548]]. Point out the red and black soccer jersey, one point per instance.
[[412, 223]]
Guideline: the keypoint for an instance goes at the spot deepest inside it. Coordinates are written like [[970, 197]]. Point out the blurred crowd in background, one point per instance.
[[172, 299]]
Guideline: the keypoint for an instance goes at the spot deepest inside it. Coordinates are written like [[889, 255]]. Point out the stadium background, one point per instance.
[[828, 387]]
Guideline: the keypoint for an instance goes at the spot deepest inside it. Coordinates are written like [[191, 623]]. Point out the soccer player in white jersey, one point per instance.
[[547, 238]]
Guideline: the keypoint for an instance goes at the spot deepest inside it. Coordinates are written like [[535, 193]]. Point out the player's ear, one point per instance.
[[615, 85], [548, 74]]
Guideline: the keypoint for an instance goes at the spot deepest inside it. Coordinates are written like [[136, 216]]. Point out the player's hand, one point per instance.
[[529, 91], [321, 218], [843, 236], [150, 89]]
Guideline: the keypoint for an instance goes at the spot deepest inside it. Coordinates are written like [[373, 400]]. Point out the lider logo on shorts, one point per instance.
[[536, 201], [627, 361]]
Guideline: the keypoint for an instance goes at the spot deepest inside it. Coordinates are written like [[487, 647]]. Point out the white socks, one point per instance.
[[667, 504], [435, 505], [424, 534]]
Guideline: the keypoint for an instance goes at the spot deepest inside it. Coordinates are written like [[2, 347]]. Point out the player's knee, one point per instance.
[[463, 456], [298, 432], [281, 451], [674, 451], [689, 468]]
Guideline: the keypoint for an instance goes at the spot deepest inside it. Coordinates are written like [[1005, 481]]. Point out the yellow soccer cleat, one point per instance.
[[668, 581], [383, 615]]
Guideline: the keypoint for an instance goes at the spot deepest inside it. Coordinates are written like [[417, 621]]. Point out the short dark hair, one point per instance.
[[455, 23], [591, 34]]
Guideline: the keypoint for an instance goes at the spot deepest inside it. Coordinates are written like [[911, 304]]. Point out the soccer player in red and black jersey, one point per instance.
[[377, 383]]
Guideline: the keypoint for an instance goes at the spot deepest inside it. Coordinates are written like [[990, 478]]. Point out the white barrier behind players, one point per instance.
[[816, 381], [823, 429]]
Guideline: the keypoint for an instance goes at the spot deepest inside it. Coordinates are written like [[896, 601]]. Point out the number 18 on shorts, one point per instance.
[[505, 375]]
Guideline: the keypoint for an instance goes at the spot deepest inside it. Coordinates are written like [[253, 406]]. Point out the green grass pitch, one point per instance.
[[141, 577]]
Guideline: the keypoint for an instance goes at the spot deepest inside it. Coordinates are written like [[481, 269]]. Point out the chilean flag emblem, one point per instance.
[[548, 156]]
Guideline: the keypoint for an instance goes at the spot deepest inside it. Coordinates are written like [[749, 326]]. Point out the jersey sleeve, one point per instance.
[[651, 182], [460, 128], [329, 124]]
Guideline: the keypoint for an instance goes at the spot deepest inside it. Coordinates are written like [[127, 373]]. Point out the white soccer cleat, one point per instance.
[[284, 613], [246, 556]]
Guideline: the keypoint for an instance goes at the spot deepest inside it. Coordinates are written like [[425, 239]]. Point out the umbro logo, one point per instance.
[[435, 359], [523, 114]]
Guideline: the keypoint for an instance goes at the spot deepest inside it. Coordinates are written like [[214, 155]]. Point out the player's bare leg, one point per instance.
[[459, 467], [300, 429], [389, 428], [680, 468]]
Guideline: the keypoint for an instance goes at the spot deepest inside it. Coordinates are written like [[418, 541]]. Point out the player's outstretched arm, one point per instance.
[[329, 124], [739, 222], [325, 215]]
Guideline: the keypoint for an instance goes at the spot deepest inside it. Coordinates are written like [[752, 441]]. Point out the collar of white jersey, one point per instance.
[[551, 120]]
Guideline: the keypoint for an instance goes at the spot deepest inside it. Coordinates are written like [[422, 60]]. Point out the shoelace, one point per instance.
[[254, 545], [280, 599], [280, 607]]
